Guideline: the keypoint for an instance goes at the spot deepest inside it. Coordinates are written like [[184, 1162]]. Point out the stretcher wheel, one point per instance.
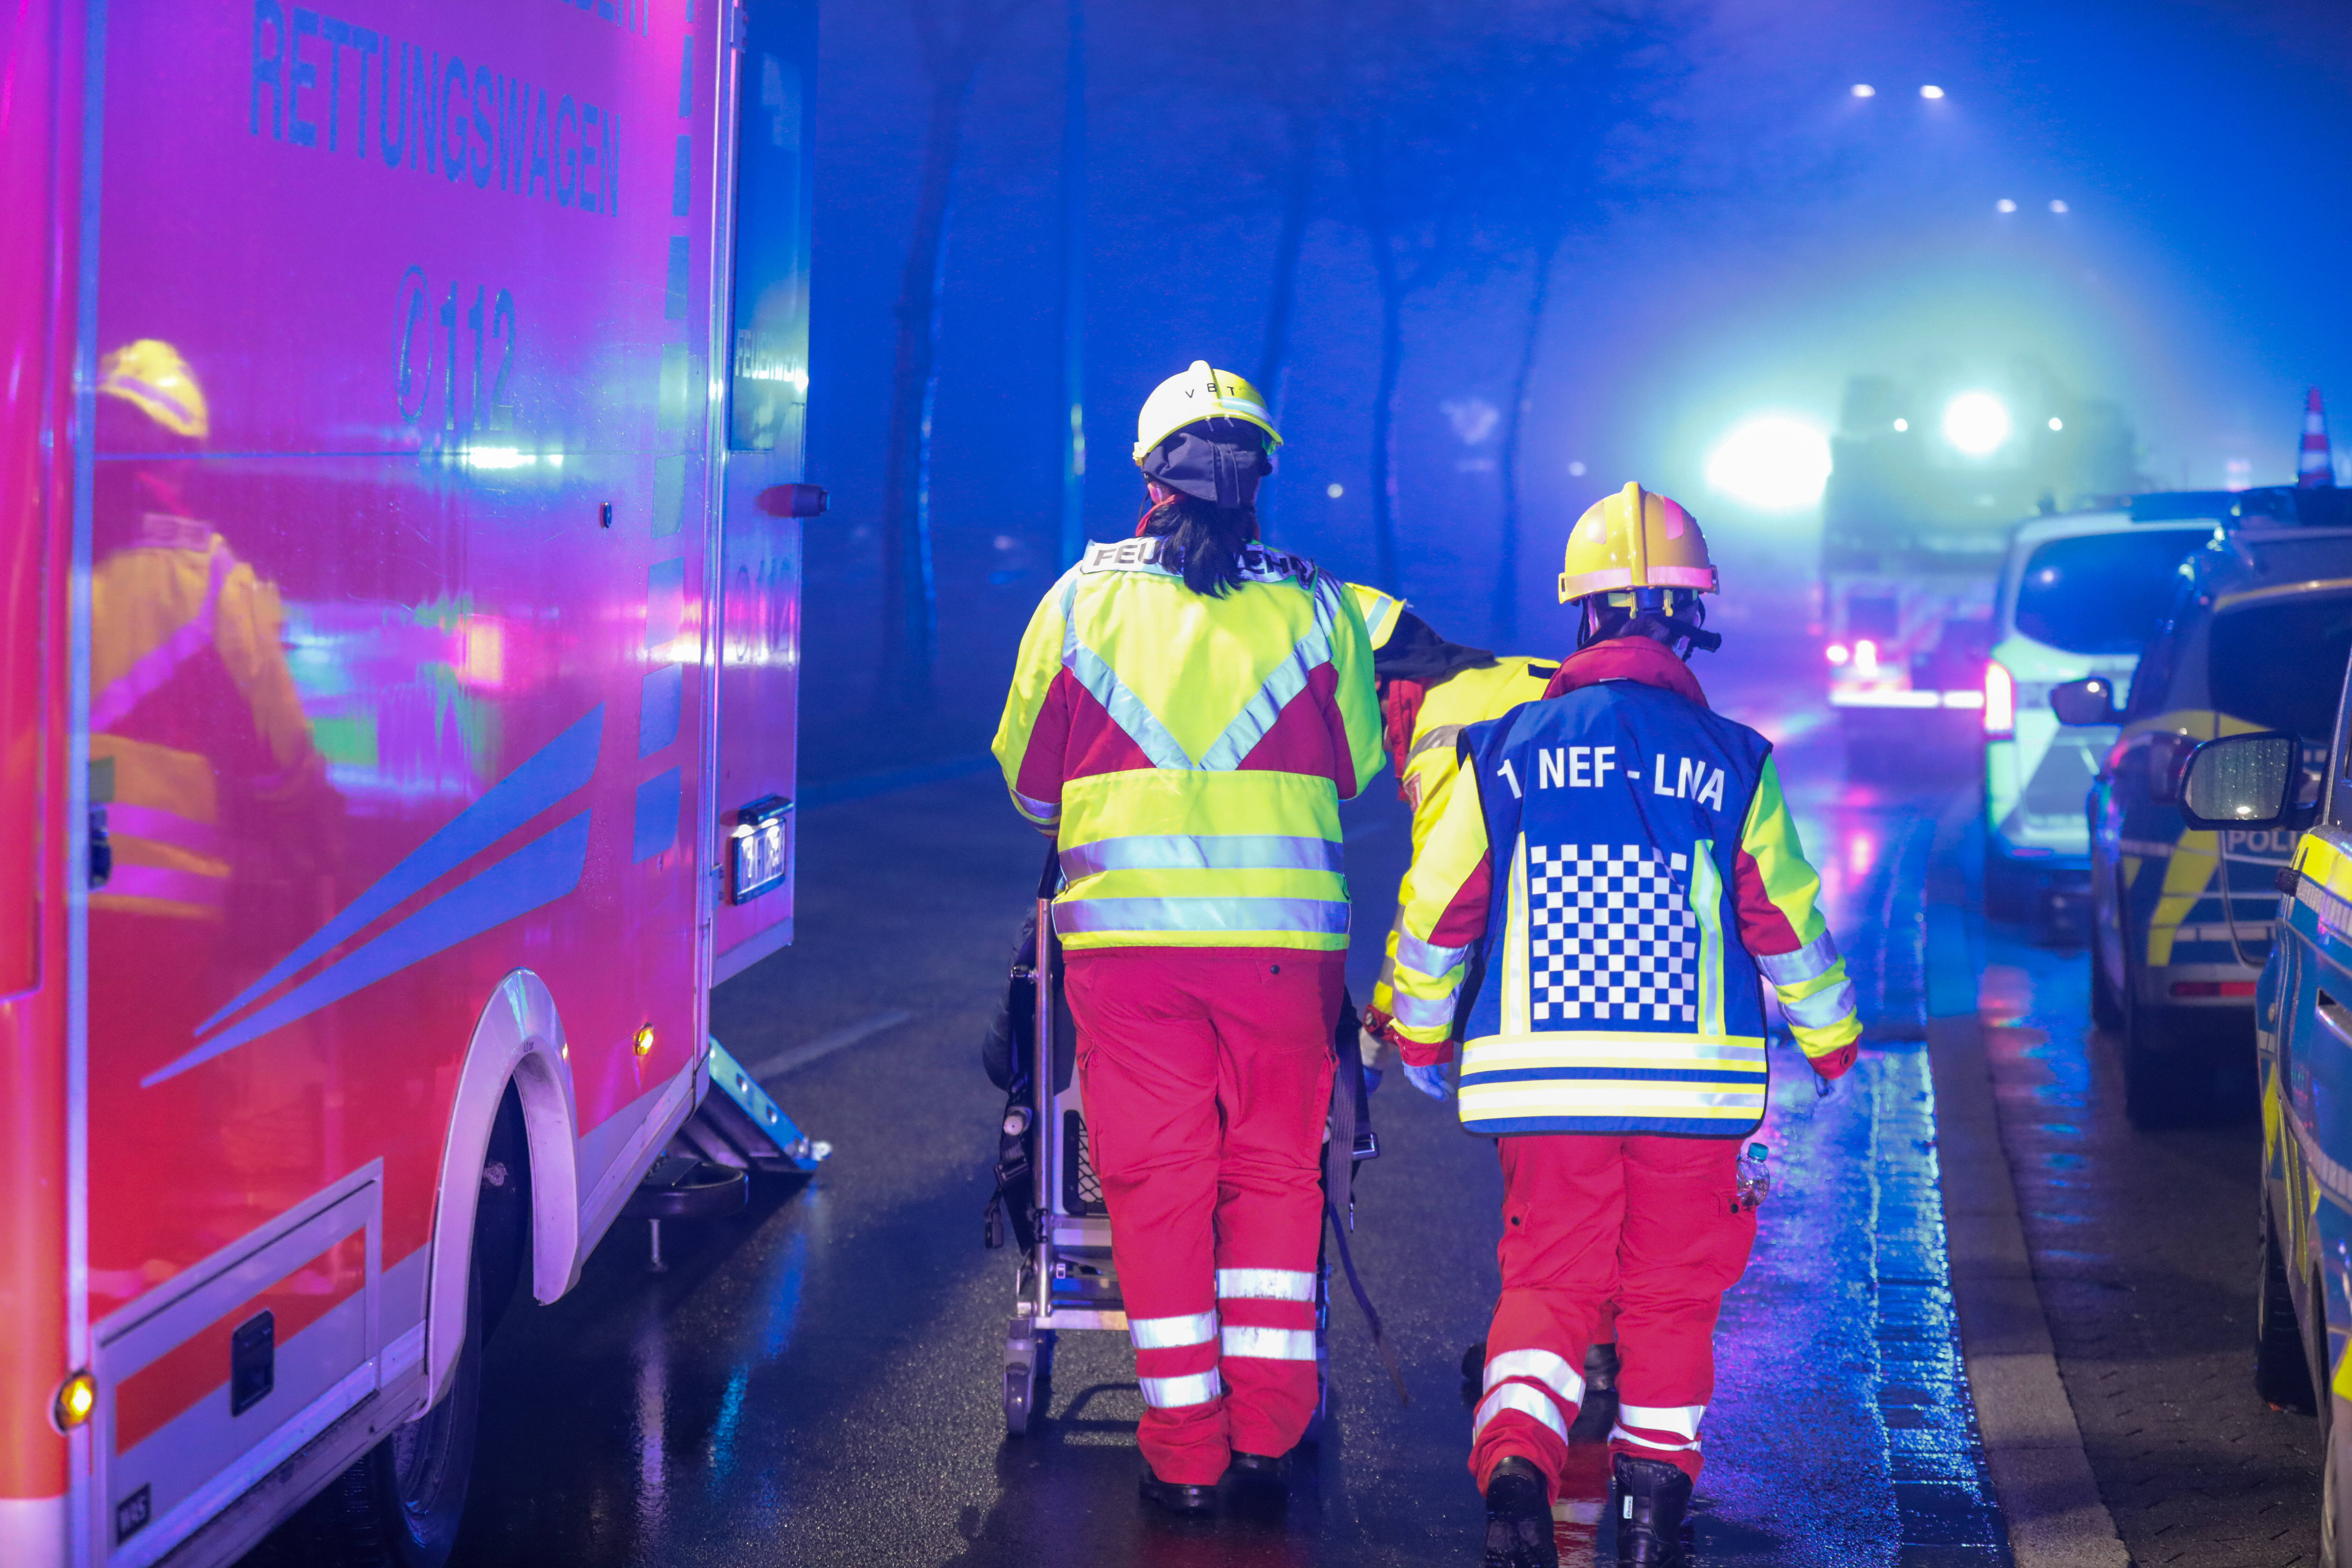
[[1027, 1355]]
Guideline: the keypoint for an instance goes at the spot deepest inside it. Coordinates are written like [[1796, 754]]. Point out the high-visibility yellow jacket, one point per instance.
[[1625, 893], [190, 693], [1423, 750], [1189, 753]]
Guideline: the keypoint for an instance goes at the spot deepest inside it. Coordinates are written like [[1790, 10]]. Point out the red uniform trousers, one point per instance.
[[1650, 1222], [1207, 1077]]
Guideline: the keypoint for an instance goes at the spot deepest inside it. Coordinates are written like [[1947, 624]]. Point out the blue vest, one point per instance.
[[1613, 993]]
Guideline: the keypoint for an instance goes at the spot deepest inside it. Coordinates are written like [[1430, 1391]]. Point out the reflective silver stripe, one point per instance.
[[1680, 1419], [1325, 916], [1822, 1008], [1265, 1285], [1126, 709], [1795, 968], [1036, 810], [1445, 735], [1289, 679], [1415, 1013], [1202, 852], [1527, 1401], [1269, 1345], [1172, 1334], [1618, 1434], [1173, 1392], [1546, 1368], [1427, 957]]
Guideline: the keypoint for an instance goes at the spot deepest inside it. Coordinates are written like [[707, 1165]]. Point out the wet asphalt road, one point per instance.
[[818, 1380]]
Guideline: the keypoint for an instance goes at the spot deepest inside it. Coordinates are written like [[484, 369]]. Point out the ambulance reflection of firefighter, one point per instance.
[[199, 745], [1627, 873]]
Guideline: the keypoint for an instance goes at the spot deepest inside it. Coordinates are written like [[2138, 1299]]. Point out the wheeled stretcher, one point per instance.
[[1048, 1202]]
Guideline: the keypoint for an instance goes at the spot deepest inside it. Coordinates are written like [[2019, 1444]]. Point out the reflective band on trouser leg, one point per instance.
[[1265, 1285], [1175, 1393], [1537, 1366], [1527, 1400], [1668, 1428], [1172, 1334], [1268, 1344]]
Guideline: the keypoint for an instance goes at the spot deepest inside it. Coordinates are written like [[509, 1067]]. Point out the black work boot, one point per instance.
[[1597, 1416], [1176, 1497], [1653, 1499], [1259, 1483], [1518, 1518]]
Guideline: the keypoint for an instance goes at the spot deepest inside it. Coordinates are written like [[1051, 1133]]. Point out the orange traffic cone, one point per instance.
[[2316, 465]]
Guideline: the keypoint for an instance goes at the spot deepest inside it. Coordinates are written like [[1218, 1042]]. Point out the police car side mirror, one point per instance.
[[2243, 781], [2086, 702]]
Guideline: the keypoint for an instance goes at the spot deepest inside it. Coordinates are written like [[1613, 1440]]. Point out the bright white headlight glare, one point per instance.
[[1772, 462], [1977, 423]]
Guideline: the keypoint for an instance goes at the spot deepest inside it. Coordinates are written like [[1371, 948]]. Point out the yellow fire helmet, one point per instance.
[[1635, 539], [1198, 392], [1382, 611], [151, 377]]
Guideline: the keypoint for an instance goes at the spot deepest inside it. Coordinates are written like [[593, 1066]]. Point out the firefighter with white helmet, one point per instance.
[[1187, 712], [1626, 875]]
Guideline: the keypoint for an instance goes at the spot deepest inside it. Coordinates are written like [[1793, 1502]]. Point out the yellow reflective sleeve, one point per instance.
[[1449, 870], [1034, 669], [1816, 995], [1358, 696]]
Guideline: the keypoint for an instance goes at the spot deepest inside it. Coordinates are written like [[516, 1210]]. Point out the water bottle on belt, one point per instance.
[[1755, 1176]]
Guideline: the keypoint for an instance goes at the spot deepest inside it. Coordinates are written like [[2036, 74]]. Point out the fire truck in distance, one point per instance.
[[399, 484], [1926, 482]]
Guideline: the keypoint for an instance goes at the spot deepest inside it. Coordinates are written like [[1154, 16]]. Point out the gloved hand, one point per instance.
[[1429, 1080], [1372, 1077]]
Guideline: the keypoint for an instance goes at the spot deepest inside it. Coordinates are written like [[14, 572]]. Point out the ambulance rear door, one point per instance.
[[763, 497]]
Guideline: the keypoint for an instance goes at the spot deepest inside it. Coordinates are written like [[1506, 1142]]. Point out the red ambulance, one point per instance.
[[399, 474]]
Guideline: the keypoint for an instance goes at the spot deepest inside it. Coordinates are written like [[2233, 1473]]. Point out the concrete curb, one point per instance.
[[2033, 1445]]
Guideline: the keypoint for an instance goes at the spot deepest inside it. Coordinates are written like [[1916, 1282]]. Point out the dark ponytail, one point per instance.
[[1204, 541]]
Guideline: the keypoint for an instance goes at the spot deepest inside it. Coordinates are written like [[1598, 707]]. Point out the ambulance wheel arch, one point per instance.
[[518, 1042]]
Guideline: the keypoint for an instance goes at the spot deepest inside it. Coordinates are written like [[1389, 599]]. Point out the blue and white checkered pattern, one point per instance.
[[1609, 928]]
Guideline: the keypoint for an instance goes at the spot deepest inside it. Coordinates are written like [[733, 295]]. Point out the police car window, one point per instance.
[[2279, 665], [2101, 592]]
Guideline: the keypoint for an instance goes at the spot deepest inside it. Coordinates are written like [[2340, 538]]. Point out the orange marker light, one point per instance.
[[76, 1399], [644, 1041]]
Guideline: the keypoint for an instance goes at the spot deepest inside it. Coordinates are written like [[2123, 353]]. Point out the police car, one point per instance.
[[2276, 783], [2080, 594], [2255, 639]]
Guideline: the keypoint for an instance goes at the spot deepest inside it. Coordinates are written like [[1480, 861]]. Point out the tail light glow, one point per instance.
[[1865, 658], [2000, 699], [1837, 653]]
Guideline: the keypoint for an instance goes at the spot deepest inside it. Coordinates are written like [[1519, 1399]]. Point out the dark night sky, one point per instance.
[[1784, 236]]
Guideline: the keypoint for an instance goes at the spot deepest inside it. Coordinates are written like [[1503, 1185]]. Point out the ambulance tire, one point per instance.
[[400, 1505], [2335, 1529], [2282, 1363]]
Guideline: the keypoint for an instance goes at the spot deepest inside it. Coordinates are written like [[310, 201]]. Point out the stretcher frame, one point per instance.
[[1068, 1281]]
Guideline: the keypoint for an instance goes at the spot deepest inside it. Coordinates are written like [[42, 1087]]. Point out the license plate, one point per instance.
[[759, 861]]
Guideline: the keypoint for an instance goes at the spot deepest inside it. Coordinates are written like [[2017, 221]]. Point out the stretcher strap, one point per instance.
[[1372, 1317]]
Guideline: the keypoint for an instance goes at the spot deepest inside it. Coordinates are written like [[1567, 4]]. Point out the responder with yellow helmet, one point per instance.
[[1188, 709], [1626, 873], [198, 743], [1430, 690]]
